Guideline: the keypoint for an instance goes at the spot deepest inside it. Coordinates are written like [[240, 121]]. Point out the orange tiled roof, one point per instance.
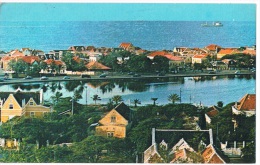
[[200, 56], [248, 102], [212, 47], [125, 45], [30, 59], [210, 155], [96, 65], [212, 113], [226, 51], [56, 62], [16, 53], [76, 58], [251, 52], [173, 58], [6, 58], [157, 53], [181, 154]]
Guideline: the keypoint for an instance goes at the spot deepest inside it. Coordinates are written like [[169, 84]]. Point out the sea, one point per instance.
[[149, 35]]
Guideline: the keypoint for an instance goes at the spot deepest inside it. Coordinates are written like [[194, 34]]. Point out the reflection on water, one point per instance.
[[207, 89]]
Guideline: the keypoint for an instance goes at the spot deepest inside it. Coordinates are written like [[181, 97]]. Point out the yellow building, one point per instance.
[[19, 103], [114, 124]]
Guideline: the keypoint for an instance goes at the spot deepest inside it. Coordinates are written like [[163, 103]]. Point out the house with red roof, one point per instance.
[[96, 66], [213, 111], [212, 48], [127, 46], [77, 48], [30, 60], [211, 156], [226, 51], [246, 105], [199, 58], [54, 66]]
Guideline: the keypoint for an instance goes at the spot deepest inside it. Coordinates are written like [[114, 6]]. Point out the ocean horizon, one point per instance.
[[149, 35]]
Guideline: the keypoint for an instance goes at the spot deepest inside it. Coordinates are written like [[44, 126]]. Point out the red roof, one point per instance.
[[94, 65], [56, 62], [210, 155], [212, 47], [173, 58], [30, 59], [251, 52], [125, 45], [200, 56], [76, 58], [212, 113], [16, 53], [157, 53], [226, 51], [247, 103]]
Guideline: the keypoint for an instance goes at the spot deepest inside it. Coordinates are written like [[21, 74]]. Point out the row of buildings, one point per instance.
[[179, 56]]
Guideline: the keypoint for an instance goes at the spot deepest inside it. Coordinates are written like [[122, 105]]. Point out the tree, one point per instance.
[[173, 98], [154, 101], [161, 63], [117, 98], [249, 153], [220, 104], [56, 97], [18, 66], [96, 98], [136, 101]]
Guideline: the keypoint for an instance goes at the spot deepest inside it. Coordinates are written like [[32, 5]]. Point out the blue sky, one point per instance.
[[126, 12]]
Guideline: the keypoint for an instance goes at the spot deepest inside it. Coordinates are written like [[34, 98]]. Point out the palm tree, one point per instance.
[[173, 98], [136, 101], [96, 98], [117, 98], [77, 95], [154, 100], [56, 97]]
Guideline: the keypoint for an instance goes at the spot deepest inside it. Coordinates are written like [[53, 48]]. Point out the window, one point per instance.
[[32, 114], [113, 119], [31, 102], [110, 134], [11, 106]]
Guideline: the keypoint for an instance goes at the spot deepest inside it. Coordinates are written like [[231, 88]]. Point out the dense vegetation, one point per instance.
[[39, 137]]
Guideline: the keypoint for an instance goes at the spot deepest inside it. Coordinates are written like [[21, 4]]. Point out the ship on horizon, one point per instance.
[[214, 24]]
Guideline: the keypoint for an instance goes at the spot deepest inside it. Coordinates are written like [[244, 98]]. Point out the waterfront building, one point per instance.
[[54, 66], [226, 51], [20, 103], [199, 58]]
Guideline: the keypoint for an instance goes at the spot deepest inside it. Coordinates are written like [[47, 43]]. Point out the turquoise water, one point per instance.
[[150, 35], [208, 90]]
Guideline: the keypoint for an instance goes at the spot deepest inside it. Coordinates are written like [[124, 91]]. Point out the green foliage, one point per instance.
[[18, 66], [71, 64], [160, 63], [117, 99], [249, 153], [243, 60], [173, 98]]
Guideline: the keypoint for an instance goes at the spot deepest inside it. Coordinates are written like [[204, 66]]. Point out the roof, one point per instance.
[[125, 45], [181, 145], [200, 56], [56, 62], [251, 52], [173, 58], [247, 103], [77, 48], [16, 53], [30, 59], [124, 110], [210, 155], [76, 58], [94, 65], [157, 53], [182, 154], [212, 47], [20, 95], [226, 51], [212, 113]]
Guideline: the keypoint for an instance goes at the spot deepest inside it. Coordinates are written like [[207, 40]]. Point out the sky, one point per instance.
[[29, 11]]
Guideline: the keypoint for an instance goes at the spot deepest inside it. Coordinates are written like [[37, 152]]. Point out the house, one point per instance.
[[182, 152], [15, 53], [226, 51], [114, 124], [199, 58], [247, 105], [54, 66], [127, 46], [210, 155], [212, 49], [96, 66], [19, 103], [57, 54], [213, 111], [26, 51], [30, 60]]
